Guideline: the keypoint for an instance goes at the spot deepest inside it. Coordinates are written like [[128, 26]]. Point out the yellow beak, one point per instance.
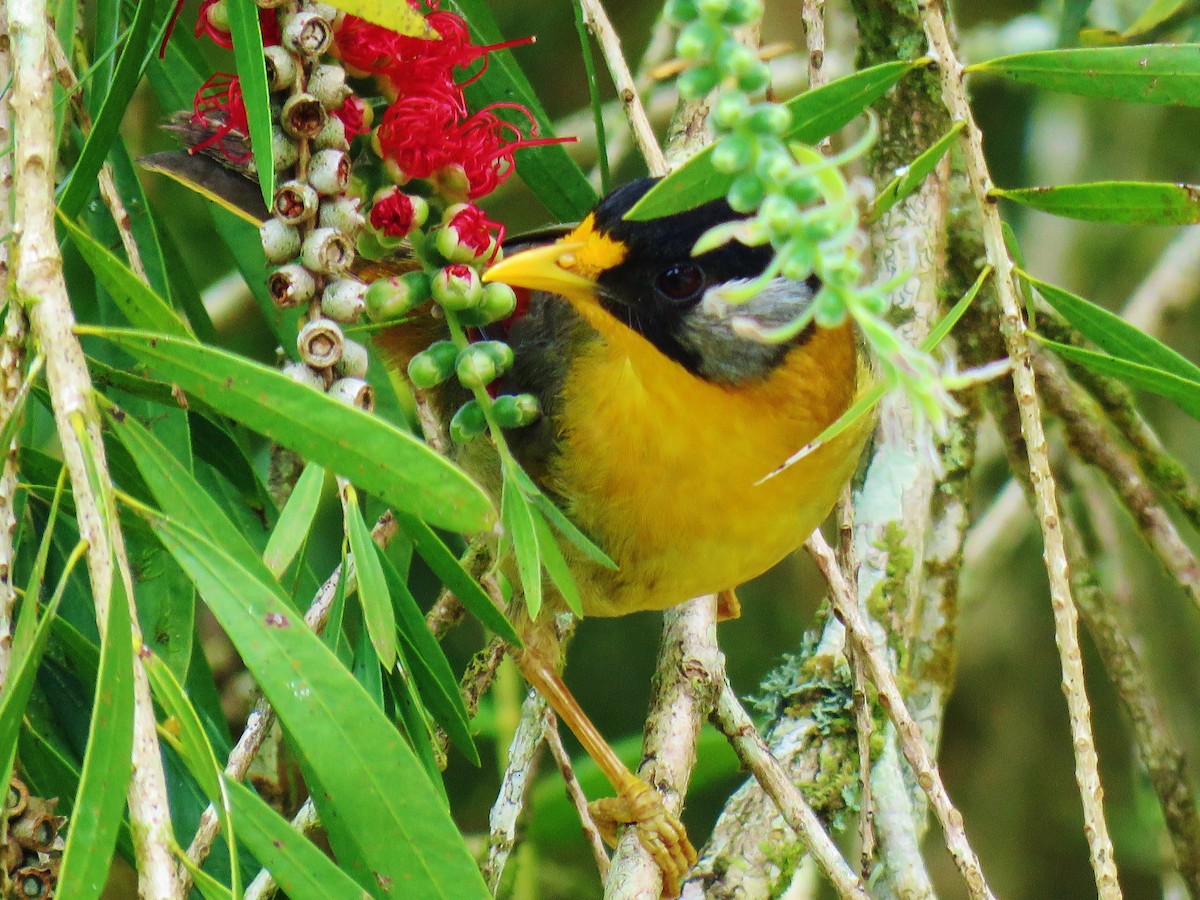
[[547, 268]]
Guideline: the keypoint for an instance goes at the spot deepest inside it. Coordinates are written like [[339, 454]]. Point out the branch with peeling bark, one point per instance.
[[40, 287]]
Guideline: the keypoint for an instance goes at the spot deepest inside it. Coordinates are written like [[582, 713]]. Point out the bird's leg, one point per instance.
[[636, 803], [728, 606]]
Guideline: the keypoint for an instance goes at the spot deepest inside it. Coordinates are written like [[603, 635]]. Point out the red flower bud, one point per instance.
[[393, 214], [356, 115]]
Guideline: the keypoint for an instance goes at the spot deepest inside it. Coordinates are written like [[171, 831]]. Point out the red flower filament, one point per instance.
[[219, 105]]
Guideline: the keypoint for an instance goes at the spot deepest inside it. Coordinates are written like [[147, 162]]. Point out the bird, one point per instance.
[[662, 416]]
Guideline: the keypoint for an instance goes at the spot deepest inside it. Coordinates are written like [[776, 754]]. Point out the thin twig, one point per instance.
[[575, 794], [264, 887], [514, 788], [735, 723], [907, 730], [40, 286], [105, 180], [680, 701], [12, 364], [610, 45], [1095, 445], [1012, 326], [262, 717]]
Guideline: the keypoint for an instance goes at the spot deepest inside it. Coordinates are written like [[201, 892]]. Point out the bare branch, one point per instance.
[[1066, 625], [514, 788], [575, 794], [41, 288]]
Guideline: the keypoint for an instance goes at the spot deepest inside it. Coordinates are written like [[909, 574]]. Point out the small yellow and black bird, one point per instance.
[[661, 419]]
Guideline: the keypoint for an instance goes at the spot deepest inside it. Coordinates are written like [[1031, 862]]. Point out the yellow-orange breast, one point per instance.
[[664, 469]]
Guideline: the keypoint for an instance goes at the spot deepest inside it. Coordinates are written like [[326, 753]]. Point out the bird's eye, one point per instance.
[[683, 281]]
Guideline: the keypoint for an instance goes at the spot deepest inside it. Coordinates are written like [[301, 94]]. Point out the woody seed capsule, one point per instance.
[[354, 392], [280, 241], [291, 285], [308, 34], [327, 251], [343, 299], [303, 116], [328, 84], [284, 150], [354, 361], [281, 68], [332, 136], [342, 213], [303, 374], [329, 171], [295, 202], [321, 343]]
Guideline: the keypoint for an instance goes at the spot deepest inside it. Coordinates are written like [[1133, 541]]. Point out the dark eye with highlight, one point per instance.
[[681, 282]]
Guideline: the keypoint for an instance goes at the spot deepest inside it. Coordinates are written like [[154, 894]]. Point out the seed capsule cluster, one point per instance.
[[315, 225], [32, 846]]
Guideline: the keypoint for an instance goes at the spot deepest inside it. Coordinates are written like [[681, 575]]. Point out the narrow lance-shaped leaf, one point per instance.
[[518, 526], [1159, 73], [191, 742], [1183, 392], [816, 114], [372, 587], [393, 828], [137, 300], [428, 665], [916, 173], [377, 456], [1112, 333], [1124, 202], [291, 531], [96, 818], [252, 76]]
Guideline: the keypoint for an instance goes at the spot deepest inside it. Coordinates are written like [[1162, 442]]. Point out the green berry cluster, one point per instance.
[[797, 198]]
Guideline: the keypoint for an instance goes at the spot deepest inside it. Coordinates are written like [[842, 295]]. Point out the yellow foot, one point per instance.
[[728, 606], [661, 833]]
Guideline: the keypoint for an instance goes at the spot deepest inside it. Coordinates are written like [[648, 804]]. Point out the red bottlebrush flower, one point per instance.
[[416, 133], [393, 214], [219, 105], [473, 228], [487, 144], [356, 115]]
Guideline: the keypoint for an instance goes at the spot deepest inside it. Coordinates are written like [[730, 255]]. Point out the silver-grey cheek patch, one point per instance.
[[715, 330]]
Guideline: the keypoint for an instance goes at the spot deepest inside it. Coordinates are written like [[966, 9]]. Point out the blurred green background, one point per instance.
[[1006, 751]]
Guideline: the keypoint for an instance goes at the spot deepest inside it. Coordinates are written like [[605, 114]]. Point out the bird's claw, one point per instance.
[[661, 833]]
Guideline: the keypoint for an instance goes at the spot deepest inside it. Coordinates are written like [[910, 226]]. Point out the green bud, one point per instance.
[[697, 81], [475, 367], [515, 410], [680, 11], [769, 118], [390, 298], [698, 41], [775, 169], [755, 79], [802, 188], [746, 193], [731, 107], [499, 301], [713, 9], [733, 154], [468, 423], [433, 365], [799, 263], [736, 59], [742, 12], [500, 353], [457, 287]]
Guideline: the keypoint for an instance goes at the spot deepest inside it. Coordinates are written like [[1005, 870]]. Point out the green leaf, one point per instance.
[[398, 17], [558, 519], [136, 299], [555, 179], [106, 764], [291, 531], [301, 870], [1113, 334], [1158, 73], [518, 526], [372, 587], [556, 566], [1183, 392], [916, 172], [413, 720], [377, 456], [445, 565], [1123, 202], [106, 123], [589, 71], [1154, 15], [252, 75], [15, 409], [427, 662], [397, 831], [209, 887], [190, 741], [816, 114]]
